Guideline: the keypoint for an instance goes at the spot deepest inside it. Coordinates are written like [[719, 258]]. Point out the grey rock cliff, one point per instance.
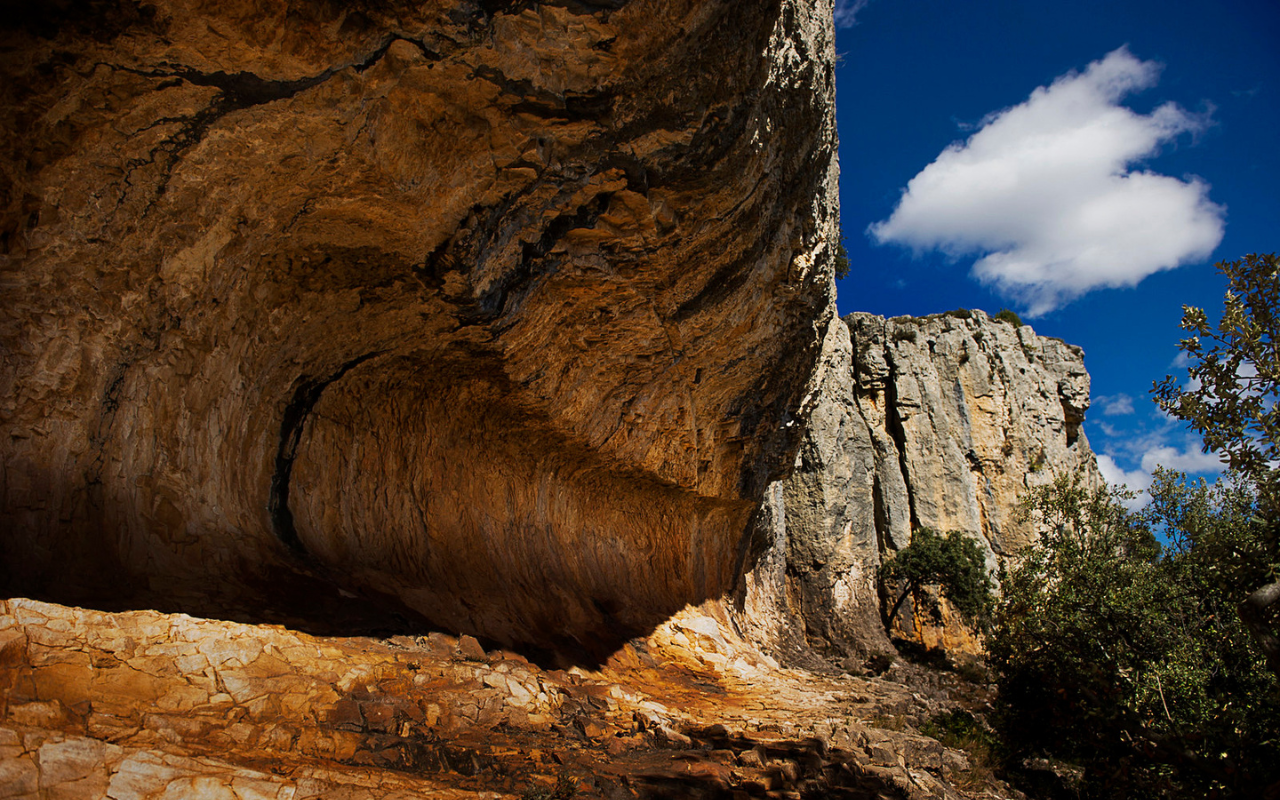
[[945, 422]]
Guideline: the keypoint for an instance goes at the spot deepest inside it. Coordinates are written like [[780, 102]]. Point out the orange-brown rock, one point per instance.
[[492, 317], [491, 313], [146, 705]]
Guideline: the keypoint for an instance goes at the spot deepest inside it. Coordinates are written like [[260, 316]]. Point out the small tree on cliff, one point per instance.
[[953, 563], [841, 265]]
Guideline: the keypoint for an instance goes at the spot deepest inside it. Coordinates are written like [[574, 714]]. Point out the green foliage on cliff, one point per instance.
[[841, 259], [953, 563], [1009, 316], [904, 333]]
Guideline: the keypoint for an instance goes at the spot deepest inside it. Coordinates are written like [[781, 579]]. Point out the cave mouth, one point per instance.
[[425, 492], [468, 317], [433, 479]]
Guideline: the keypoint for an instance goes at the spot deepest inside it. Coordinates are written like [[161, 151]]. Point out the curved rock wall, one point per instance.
[[498, 309]]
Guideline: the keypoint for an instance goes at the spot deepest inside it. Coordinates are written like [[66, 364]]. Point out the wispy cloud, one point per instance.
[[1182, 453], [847, 12], [1188, 459], [1114, 405], [1045, 195], [1137, 480]]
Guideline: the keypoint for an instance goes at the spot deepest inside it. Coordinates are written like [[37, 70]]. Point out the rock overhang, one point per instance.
[[494, 311]]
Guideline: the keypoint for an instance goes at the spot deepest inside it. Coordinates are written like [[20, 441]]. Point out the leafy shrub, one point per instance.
[[1126, 658], [958, 313], [957, 728], [961, 730], [953, 563], [904, 334], [1009, 316], [1038, 462]]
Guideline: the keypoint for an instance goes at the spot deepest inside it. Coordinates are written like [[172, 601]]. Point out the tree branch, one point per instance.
[[1253, 613]]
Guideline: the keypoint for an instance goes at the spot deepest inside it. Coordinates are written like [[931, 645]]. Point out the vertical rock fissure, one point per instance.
[[879, 506], [1071, 421], [897, 431], [292, 424], [109, 405]]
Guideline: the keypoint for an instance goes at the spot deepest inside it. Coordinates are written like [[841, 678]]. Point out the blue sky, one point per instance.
[[1084, 163]]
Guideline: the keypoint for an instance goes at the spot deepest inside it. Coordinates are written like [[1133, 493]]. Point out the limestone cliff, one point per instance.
[[488, 317], [943, 421], [490, 312]]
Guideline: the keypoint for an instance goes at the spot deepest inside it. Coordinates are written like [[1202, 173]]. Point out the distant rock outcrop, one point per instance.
[[942, 422]]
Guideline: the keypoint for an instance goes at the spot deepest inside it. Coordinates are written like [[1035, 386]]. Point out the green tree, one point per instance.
[[841, 259], [1124, 657], [1155, 667], [953, 563], [1233, 401]]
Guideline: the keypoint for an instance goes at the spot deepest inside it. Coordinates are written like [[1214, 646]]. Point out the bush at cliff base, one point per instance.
[[1152, 666], [1126, 657]]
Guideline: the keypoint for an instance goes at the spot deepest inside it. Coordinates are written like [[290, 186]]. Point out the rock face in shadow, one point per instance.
[[943, 422], [494, 313]]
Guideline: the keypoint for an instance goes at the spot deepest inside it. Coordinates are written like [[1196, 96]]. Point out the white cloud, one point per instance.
[[1045, 195], [1115, 404], [847, 12], [1137, 480], [1190, 459], [1109, 430]]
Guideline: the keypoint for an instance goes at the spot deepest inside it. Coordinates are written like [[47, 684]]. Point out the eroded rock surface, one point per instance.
[[488, 312], [943, 421], [981, 410], [147, 705], [500, 318]]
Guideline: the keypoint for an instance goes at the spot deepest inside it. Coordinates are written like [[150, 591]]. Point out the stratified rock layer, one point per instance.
[[943, 422], [493, 310], [145, 705]]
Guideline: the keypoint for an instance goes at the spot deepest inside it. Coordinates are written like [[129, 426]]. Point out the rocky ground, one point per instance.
[[146, 705]]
